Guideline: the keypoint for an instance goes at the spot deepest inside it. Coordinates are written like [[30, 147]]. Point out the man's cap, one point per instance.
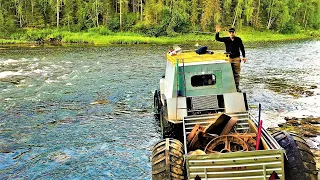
[[232, 30]]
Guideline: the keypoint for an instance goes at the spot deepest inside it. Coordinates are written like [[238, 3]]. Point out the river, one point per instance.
[[86, 112]]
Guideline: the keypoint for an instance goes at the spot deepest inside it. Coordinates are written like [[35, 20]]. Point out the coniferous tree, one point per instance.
[[207, 15], [2, 27], [195, 14], [227, 12]]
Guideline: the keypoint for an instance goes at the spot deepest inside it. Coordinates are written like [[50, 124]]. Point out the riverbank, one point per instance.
[[101, 36]]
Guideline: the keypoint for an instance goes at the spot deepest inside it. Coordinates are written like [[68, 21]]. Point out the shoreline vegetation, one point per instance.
[[103, 22], [103, 36]]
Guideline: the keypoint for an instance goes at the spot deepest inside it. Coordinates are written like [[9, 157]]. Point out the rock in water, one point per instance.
[[102, 101]]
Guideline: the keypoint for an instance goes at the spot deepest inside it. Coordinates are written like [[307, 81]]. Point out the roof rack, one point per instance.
[[188, 56]]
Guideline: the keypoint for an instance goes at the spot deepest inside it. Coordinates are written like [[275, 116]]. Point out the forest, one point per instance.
[[159, 17]]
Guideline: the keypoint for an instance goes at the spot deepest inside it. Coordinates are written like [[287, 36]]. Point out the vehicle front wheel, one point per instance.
[[167, 160]]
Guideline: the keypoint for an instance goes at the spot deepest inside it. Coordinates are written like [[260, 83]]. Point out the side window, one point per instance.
[[203, 80]]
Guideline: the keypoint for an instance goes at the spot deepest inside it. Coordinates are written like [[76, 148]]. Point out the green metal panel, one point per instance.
[[224, 79], [237, 165], [177, 76]]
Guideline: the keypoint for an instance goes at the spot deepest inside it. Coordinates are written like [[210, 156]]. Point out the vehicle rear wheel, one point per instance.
[[300, 164], [167, 160]]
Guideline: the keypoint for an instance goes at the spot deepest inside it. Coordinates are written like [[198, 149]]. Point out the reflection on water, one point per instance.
[[87, 112]]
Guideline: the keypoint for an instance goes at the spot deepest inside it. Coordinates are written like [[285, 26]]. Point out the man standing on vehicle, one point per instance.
[[233, 45]]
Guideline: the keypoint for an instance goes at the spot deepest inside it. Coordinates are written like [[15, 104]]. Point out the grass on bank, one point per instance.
[[101, 36], [12, 41]]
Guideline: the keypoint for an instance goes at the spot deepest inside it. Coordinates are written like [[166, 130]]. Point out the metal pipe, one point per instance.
[[259, 128]]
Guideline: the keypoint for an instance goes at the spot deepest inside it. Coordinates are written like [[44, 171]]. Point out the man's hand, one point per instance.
[[244, 59], [218, 28]]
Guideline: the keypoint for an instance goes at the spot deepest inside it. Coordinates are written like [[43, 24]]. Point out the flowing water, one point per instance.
[[86, 112]]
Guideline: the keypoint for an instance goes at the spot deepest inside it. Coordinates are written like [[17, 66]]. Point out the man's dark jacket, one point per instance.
[[232, 47]]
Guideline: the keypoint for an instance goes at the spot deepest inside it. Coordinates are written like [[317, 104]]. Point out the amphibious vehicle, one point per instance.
[[208, 132]]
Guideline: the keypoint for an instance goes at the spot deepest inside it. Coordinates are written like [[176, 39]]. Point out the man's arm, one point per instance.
[[217, 34], [242, 51], [219, 38]]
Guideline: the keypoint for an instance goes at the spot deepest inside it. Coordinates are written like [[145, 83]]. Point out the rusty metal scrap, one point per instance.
[[226, 130], [226, 142], [194, 131]]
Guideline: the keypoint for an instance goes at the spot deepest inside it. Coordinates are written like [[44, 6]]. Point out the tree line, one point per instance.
[[159, 17]]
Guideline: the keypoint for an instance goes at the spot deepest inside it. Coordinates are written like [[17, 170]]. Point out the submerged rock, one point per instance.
[[282, 86], [309, 134], [295, 120], [102, 101], [313, 87], [313, 120], [302, 126], [3, 150], [121, 112], [311, 130], [59, 157]]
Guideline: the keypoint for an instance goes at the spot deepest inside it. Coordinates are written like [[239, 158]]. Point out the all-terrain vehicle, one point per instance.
[[208, 132]]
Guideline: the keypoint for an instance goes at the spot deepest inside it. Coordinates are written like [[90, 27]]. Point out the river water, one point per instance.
[[86, 112]]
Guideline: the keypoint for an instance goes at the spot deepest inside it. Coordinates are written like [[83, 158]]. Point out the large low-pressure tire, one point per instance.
[[167, 160], [300, 164]]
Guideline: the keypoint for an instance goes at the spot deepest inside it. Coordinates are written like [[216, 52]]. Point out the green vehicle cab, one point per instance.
[[208, 132]]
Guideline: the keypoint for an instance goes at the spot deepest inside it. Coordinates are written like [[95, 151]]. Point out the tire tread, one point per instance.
[[300, 164], [167, 160]]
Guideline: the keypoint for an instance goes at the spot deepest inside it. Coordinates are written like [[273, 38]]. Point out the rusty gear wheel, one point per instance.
[[249, 138], [226, 143]]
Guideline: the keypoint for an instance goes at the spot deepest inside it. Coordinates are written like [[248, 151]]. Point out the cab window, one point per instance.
[[203, 80]]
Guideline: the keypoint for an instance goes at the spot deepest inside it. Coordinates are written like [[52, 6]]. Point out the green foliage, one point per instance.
[[290, 27], [166, 17], [248, 10], [2, 27], [141, 28], [9, 25], [195, 14], [207, 15], [179, 22], [100, 30], [248, 35], [114, 24], [159, 18], [156, 31], [129, 21], [283, 15], [149, 30], [315, 34]]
